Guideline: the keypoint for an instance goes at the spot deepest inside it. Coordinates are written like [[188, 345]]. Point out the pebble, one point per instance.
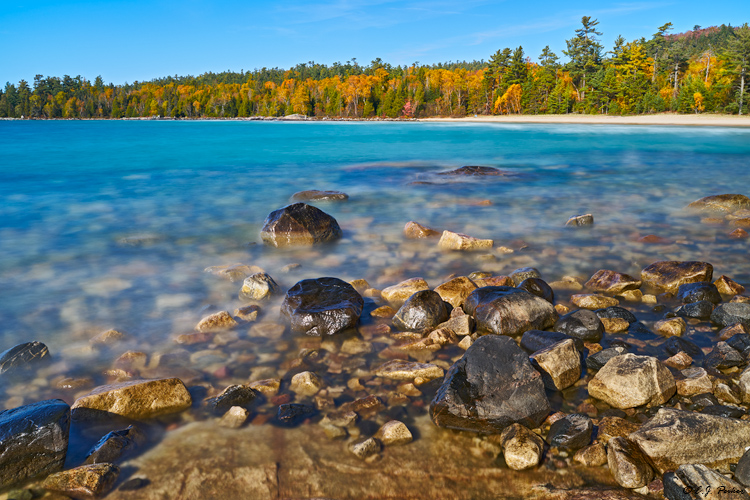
[[306, 384], [107, 337], [673, 327], [394, 433], [366, 448], [593, 301], [234, 418], [458, 241], [218, 321], [247, 313], [259, 286], [409, 370]]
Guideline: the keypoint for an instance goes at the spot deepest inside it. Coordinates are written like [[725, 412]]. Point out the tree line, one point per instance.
[[701, 70]]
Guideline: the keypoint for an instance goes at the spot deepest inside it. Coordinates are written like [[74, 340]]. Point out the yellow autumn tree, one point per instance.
[[510, 101]]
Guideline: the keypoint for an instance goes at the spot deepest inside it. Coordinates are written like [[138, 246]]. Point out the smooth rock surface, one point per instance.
[[394, 433], [22, 356], [233, 395], [323, 306], [259, 286], [536, 340], [397, 294], [523, 273], [522, 449], [693, 292], [612, 282], [506, 310], [414, 230], [458, 241], [582, 324], [221, 320], [299, 224], [581, 220], [628, 381], [668, 275], [86, 481], [421, 312], [456, 290], [721, 203]]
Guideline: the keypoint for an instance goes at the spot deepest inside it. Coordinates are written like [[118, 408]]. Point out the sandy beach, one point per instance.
[[667, 119]]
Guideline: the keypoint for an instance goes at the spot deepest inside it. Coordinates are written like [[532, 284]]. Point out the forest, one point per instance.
[[699, 71]]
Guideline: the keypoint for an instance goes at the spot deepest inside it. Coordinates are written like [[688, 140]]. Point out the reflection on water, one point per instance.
[[111, 225]]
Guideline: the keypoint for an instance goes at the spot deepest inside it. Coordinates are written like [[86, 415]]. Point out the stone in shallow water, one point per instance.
[[135, 399], [731, 313], [233, 395], [299, 224], [305, 384], [721, 203], [396, 295], [421, 313], [508, 311], [115, 445], [728, 286], [536, 340], [670, 327], [458, 241], [33, 440], [694, 292], [582, 324], [234, 418], [294, 414], [628, 464], [523, 273], [456, 290], [414, 230], [613, 282], [522, 449], [538, 287], [581, 220], [559, 364], [86, 481], [628, 381], [698, 310], [317, 195], [492, 386], [571, 432], [592, 301], [323, 306], [668, 275], [597, 360], [221, 320], [394, 433], [366, 448], [259, 286], [22, 356], [409, 370]]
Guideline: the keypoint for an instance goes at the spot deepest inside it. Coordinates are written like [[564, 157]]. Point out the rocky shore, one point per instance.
[[485, 385]]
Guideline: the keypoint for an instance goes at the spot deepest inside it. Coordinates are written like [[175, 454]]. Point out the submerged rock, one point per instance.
[[492, 386], [668, 275], [581, 220], [33, 440], [234, 395], [299, 224], [721, 203], [323, 306], [473, 170], [508, 311], [612, 282], [294, 414], [458, 241], [628, 464], [522, 449], [628, 381], [582, 324], [394, 433], [572, 432], [415, 230], [536, 340], [316, 195], [22, 356], [115, 445], [421, 313], [86, 481], [259, 286], [456, 290], [538, 287]]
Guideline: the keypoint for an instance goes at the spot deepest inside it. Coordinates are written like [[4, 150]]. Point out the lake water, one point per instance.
[[111, 224]]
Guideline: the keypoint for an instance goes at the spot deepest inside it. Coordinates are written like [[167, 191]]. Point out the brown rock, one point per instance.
[[728, 331], [672, 327], [233, 272], [593, 455], [221, 320], [494, 281], [86, 481], [522, 449], [108, 337], [628, 464], [396, 295], [727, 286], [299, 224], [615, 325], [317, 195], [612, 282], [259, 286], [612, 427], [458, 241], [592, 301], [409, 370], [559, 364], [631, 295], [414, 230], [696, 381], [268, 387], [394, 433], [720, 203], [456, 290], [627, 381], [247, 313], [679, 361], [743, 222], [669, 275], [581, 220], [652, 239], [383, 312], [738, 234]]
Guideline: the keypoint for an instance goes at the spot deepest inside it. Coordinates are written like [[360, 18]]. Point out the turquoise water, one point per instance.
[[195, 194]]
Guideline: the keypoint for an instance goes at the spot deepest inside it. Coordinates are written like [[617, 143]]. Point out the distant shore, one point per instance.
[[668, 119]]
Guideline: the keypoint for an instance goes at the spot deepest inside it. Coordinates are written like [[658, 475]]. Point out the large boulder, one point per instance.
[[628, 381], [134, 399], [33, 440], [322, 306], [668, 275], [676, 437], [299, 224], [492, 386], [721, 203], [422, 312], [505, 310]]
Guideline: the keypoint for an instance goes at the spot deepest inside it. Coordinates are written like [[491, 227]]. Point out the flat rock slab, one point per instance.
[[317, 195], [668, 275], [33, 440], [322, 306], [135, 399], [505, 310], [492, 386], [676, 437], [299, 224]]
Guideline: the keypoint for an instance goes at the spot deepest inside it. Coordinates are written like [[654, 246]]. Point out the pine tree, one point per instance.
[[585, 53]]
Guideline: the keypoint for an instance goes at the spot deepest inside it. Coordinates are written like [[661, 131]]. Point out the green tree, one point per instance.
[[656, 46], [585, 53], [739, 57]]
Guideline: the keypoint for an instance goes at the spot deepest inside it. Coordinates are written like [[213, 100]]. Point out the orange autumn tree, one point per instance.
[[510, 101]]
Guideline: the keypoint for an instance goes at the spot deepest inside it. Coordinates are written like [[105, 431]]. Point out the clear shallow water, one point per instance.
[[195, 194]]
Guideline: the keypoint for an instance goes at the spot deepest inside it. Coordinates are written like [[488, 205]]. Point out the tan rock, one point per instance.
[[740, 298], [562, 309], [727, 286], [627, 463], [268, 387], [108, 337], [355, 346], [672, 327], [84, 482], [522, 449], [679, 361], [611, 427], [456, 290], [612, 282], [132, 360], [731, 330], [720, 203], [615, 325], [465, 342], [394, 433], [581, 220], [267, 330], [247, 313], [259, 286], [593, 455], [366, 448], [221, 320], [442, 337], [414, 230], [559, 364], [306, 384], [631, 295], [458, 241], [696, 381], [459, 323], [383, 312], [628, 381], [396, 295], [234, 418], [135, 399], [233, 272], [409, 370], [360, 285], [649, 299], [742, 222], [494, 281], [669, 275], [726, 393], [592, 301]]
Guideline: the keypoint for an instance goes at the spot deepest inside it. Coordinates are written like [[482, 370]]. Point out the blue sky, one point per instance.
[[128, 40]]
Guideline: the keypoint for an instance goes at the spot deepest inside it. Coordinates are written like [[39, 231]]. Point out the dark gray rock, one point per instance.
[[134, 484], [571, 432], [675, 489], [33, 440], [491, 387], [322, 306], [473, 170], [616, 312], [731, 313], [234, 395], [22, 356], [639, 328], [673, 345], [299, 224], [536, 340], [704, 399], [116, 445], [538, 287], [740, 342], [506, 310], [582, 324], [695, 292], [523, 273], [742, 472], [707, 484], [421, 312], [699, 310], [723, 411], [316, 195], [596, 361], [294, 414], [723, 356]]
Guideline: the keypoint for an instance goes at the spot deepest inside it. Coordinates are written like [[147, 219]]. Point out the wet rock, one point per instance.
[[720, 203], [473, 170], [592, 301], [581, 220], [628, 381], [493, 281], [742, 472], [456, 290], [705, 399], [421, 313], [674, 437], [234, 395], [668, 275], [459, 323], [107, 337], [538, 287], [316, 195], [696, 381], [670, 327], [414, 230], [536, 340], [594, 455], [698, 481], [724, 411], [723, 356], [523, 273], [394, 433], [698, 310], [396, 295], [259, 286], [458, 241], [731, 313], [582, 324], [234, 418], [559, 364], [571, 432], [612, 427], [299, 224], [294, 414], [86, 481], [233, 272], [323, 306], [628, 464], [409, 370], [508, 311], [728, 331], [492, 386], [673, 345], [306, 384], [694, 292], [33, 440], [738, 234], [247, 313], [612, 282], [727, 286], [616, 312], [116, 445], [597, 360], [135, 399], [268, 387], [22, 356], [522, 449], [221, 320], [366, 448]]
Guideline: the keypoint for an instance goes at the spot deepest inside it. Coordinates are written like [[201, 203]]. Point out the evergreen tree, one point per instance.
[[585, 53]]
